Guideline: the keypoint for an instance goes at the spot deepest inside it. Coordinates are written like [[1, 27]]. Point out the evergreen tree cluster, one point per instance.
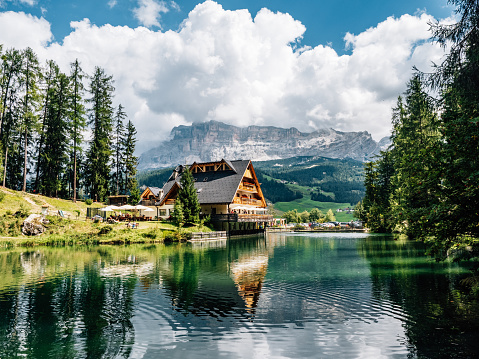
[[427, 184], [43, 116], [276, 191]]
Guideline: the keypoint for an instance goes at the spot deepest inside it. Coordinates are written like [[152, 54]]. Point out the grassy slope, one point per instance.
[[306, 204], [72, 230], [14, 200]]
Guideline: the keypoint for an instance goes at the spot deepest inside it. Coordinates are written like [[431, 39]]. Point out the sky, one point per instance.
[[308, 64]]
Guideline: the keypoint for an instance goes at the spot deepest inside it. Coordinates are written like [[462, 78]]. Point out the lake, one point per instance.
[[279, 296]]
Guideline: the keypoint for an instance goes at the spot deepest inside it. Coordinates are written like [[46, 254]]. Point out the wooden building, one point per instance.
[[228, 192], [150, 196]]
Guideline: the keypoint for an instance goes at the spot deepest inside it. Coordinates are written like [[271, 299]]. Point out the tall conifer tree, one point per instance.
[[97, 167], [118, 184], [188, 198], [77, 119], [131, 162], [31, 74]]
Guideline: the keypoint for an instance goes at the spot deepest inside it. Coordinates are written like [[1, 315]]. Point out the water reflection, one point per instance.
[[284, 296]]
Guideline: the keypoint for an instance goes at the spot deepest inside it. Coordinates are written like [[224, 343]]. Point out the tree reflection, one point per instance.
[[79, 314], [437, 317]]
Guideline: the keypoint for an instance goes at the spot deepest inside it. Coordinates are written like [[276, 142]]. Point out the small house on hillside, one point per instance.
[[228, 192], [118, 200]]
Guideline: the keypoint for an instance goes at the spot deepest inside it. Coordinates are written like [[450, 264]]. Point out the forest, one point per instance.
[[329, 180], [60, 134], [426, 185]]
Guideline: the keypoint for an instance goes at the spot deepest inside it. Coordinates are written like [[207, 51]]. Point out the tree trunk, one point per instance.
[[24, 189], [5, 166]]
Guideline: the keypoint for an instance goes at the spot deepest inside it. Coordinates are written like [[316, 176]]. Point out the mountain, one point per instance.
[[211, 141]]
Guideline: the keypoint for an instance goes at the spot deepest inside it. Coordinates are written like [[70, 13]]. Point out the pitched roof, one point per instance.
[[212, 187], [155, 191]]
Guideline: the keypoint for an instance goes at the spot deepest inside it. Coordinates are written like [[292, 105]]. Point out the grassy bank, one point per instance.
[[75, 229]]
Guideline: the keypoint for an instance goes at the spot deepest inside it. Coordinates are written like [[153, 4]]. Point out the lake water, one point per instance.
[[279, 296]]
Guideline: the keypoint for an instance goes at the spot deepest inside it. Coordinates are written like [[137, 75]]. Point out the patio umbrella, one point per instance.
[[140, 207], [144, 208], [126, 207], [107, 209]]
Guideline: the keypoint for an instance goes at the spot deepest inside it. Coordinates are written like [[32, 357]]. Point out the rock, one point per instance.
[[212, 141], [33, 225]]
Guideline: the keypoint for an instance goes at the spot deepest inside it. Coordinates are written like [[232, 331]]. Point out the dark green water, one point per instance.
[[284, 296]]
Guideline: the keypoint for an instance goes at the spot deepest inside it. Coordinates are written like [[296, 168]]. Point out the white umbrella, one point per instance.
[[139, 206], [144, 208], [107, 209], [126, 207]]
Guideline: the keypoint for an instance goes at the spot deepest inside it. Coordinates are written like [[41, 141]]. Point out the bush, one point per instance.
[[298, 227], [2, 196], [88, 202], [105, 230], [23, 212], [173, 236], [151, 234]]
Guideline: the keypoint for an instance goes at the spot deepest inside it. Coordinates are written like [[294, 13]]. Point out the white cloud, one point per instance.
[[112, 3], [21, 30], [149, 12], [228, 66], [175, 6], [29, 2]]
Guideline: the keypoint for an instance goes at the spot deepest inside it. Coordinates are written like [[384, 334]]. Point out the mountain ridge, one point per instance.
[[213, 140]]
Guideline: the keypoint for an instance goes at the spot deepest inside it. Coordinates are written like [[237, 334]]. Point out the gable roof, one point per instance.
[[211, 187], [155, 191]]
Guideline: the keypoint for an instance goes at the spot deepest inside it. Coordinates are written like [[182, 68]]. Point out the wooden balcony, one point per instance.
[[235, 217], [248, 187], [148, 202], [248, 201]]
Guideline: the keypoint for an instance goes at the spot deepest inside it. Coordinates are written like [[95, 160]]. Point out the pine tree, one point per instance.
[[77, 119], [375, 209], [119, 185], [10, 85], [31, 74], [416, 148], [54, 156], [131, 162], [97, 167], [188, 198], [49, 78], [457, 78]]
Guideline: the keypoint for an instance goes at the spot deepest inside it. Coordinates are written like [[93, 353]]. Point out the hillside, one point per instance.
[[13, 201]]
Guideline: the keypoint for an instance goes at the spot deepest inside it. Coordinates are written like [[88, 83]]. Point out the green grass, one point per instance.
[[73, 230], [307, 204]]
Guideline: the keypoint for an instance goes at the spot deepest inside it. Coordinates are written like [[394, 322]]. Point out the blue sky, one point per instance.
[[304, 64], [326, 21]]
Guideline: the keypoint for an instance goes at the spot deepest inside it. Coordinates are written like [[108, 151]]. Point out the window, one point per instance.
[[162, 212]]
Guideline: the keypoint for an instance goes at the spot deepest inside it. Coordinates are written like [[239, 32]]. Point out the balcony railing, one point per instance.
[[235, 217], [248, 187], [148, 202], [254, 202]]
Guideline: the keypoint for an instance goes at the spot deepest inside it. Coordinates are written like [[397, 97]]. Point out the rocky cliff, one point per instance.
[[211, 141]]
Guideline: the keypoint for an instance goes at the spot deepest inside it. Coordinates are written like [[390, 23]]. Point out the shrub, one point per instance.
[[2, 196], [23, 212], [105, 230], [151, 234], [88, 202], [173, 236]]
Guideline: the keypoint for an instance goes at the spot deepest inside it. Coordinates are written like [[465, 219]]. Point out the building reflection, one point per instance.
[[248, 273]]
